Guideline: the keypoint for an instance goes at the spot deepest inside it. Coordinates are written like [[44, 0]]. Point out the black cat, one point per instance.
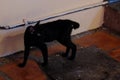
[[59, 30]]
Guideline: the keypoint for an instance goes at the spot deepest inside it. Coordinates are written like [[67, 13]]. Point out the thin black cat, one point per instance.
[[39, 34]]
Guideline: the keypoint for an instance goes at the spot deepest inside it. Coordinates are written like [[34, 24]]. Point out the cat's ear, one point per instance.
[[37, 24]]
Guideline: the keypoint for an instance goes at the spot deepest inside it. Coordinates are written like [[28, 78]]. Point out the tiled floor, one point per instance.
[[30, 72], [102, 39]]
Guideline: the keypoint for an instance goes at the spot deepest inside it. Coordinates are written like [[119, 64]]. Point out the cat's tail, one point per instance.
[[74, 24]]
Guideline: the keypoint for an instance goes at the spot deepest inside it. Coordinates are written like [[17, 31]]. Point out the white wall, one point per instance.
[[12, 12]]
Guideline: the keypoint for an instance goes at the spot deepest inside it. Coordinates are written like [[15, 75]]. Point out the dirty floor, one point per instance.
[[101, 38]]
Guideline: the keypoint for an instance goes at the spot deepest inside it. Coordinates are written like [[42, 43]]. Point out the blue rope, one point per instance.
[[113, 1]]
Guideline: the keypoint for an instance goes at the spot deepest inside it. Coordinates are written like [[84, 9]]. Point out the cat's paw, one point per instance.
[[21, 65], [44, 64], [71, 58]]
